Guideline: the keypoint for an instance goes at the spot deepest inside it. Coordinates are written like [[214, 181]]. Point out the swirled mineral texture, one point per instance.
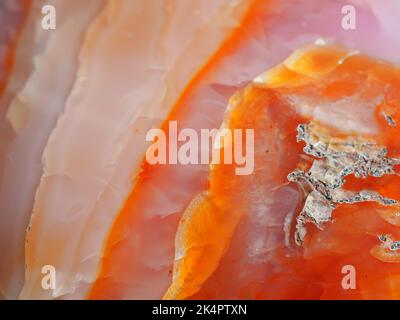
[[324, 196]]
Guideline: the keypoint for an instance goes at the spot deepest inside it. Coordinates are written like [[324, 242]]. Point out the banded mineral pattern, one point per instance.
[[189, 149]]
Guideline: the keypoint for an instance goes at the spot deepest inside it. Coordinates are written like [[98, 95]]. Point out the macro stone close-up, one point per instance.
[[199, 150]]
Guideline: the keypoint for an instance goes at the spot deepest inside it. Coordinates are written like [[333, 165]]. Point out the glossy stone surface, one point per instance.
[[320, 93]]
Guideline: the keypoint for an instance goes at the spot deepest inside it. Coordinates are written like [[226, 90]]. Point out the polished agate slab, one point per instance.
[[199, 149]]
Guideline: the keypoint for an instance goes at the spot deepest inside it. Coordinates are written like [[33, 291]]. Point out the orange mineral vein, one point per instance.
[[138, 255], [237, 238], [139, 250], [128, 78]]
